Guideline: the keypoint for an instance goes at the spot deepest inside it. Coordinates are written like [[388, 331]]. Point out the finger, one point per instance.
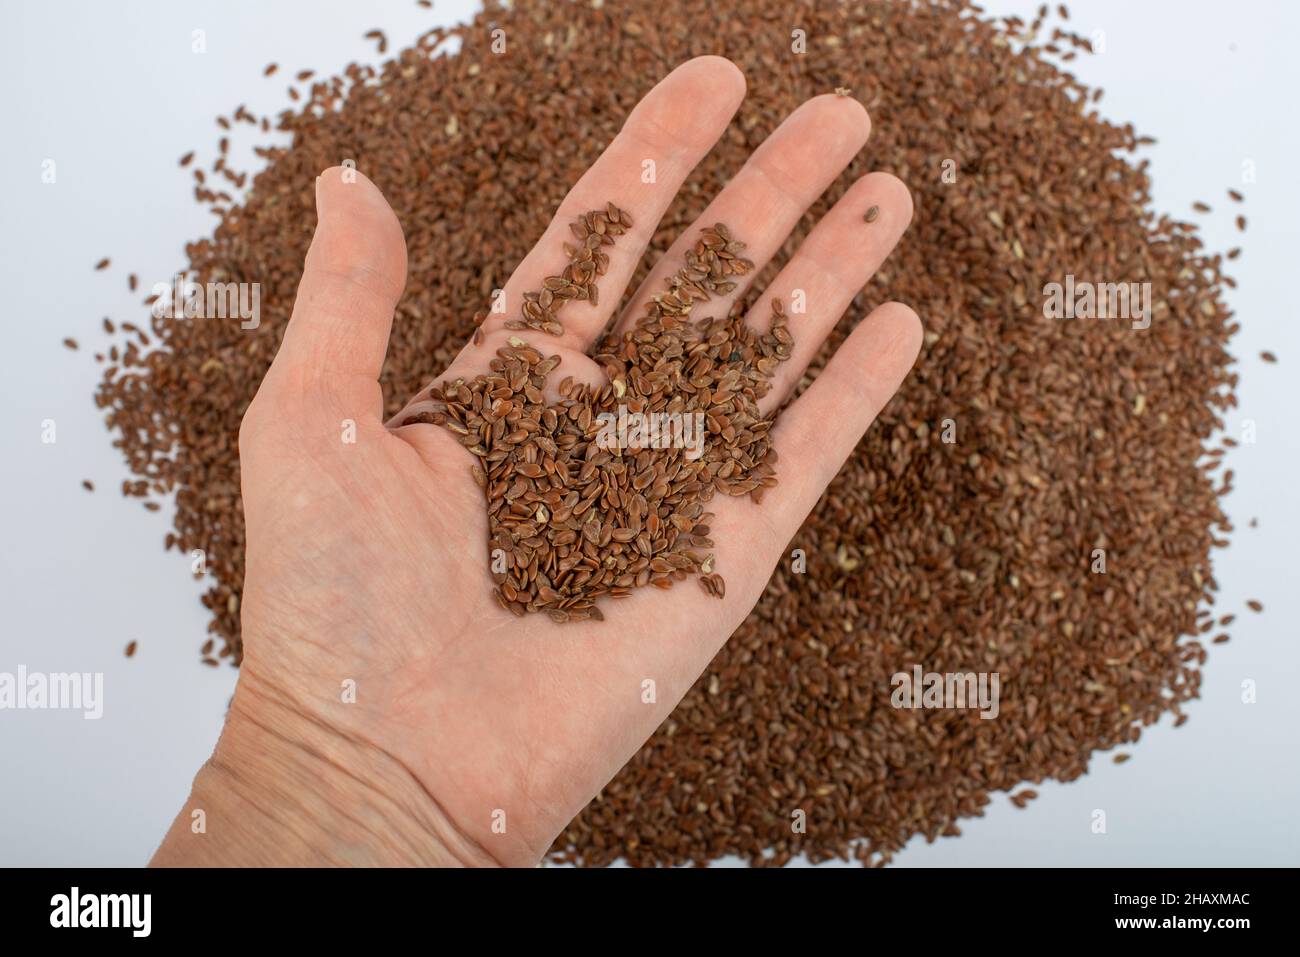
[[830, 267], [640, 172], [766, 199], [354, 274], [818, 432]]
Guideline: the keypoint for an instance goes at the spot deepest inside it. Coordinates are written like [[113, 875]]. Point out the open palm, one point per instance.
[[373, 643]]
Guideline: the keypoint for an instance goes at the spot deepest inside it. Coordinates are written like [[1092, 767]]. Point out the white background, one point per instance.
[[113, 94]]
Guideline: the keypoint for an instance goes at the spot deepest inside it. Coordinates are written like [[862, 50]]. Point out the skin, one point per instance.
[[366, 560]]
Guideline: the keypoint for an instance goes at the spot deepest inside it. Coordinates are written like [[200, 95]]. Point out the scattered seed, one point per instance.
[[801, 704]]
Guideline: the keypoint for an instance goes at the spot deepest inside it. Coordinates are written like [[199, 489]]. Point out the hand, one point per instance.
[[367, 563]]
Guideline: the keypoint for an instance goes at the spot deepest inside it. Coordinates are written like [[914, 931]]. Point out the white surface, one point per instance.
[[113, 94]]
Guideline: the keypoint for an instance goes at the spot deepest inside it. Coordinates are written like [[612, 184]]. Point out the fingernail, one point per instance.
[[321, 203]]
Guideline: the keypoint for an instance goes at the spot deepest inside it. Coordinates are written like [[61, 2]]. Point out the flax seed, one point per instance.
[[473, 151]]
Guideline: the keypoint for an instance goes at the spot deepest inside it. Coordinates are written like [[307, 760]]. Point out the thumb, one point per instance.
[[354, 274]]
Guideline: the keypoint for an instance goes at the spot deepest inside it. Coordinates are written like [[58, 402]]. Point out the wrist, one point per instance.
[[283, 789]]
